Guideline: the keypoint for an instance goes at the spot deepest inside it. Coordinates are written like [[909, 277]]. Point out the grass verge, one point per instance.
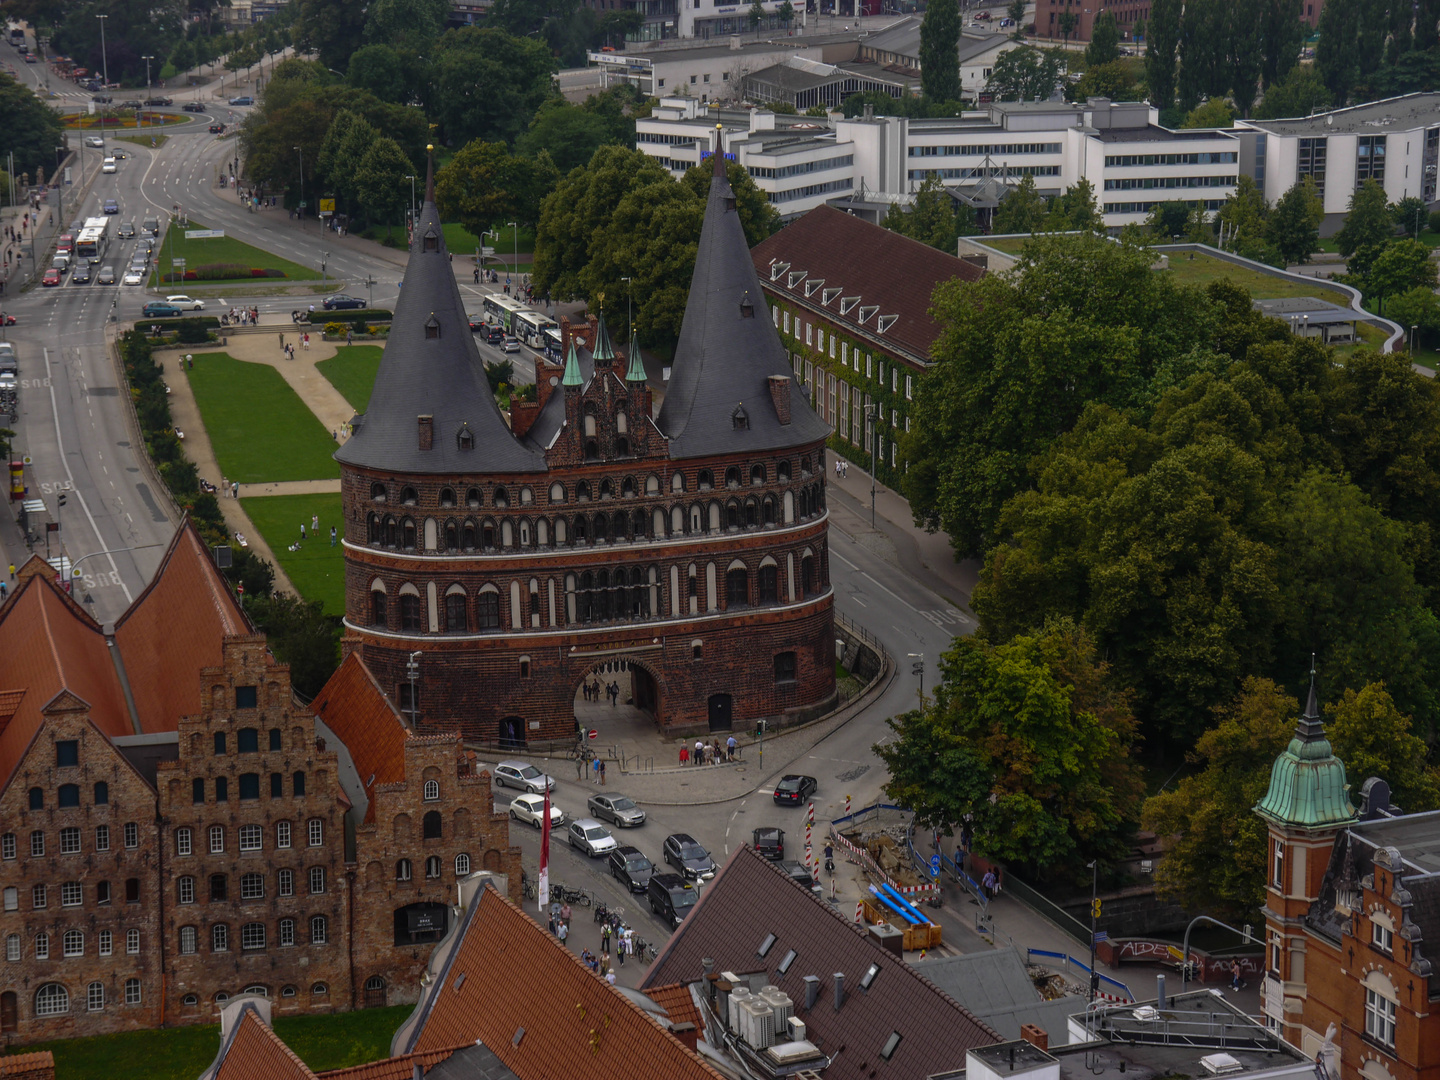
[[352, 371], [322, 1042], [260, 429], [222, 249], [144, 140], [316, 569], [1203, 269]]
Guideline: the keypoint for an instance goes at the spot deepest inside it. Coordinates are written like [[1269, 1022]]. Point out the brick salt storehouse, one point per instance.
[[682, 549]]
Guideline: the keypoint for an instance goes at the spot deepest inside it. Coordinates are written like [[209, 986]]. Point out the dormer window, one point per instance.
[[811, 286], [795, 276], [432, 328], [747, 307], [778, 268], [848, 302], [465, 439], [886, 321], [432, 239], [828, 294], [740, 419], [868, 310]]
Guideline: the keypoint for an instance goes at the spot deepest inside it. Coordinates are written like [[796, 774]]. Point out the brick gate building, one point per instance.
[[684, 545]]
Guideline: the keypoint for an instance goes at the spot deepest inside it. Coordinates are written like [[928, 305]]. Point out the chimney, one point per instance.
[[870, 112], [1160, 1002], [707, 964], [522, 417], [1035, 1036], [687, 1034], [780, 395], [839, 990], [812, 991], [427, 432]]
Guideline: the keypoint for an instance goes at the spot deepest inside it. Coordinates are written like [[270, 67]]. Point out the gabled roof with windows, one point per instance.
[[864, 278]]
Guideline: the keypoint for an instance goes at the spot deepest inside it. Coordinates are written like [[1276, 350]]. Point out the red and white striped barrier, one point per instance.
[[860, 912]]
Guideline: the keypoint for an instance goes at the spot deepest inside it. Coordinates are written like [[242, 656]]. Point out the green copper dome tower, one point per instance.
[[1307, 782]]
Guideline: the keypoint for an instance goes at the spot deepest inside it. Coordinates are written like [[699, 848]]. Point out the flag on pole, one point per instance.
[[543, 893]]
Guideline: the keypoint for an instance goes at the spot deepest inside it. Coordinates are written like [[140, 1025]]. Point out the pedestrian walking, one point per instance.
[[602, 772], [302, 530], [332, 535], [715, 751], [610, 977], [596, 770], [699, 752], [987, 884], [314, 522], [730, 748], [684, 750], [565, 911], [562, 931], [605, 941], [477, 275], [349, 335], [235, 490]]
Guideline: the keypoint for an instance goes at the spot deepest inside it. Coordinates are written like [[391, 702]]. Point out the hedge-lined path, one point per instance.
[[316, 391]]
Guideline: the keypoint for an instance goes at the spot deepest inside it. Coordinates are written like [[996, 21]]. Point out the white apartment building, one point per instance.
[[1395, 142]]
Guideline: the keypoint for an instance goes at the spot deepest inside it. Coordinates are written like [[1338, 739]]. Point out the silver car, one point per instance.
[[531, 810], [591, 837], [522, 775], [617, 809]]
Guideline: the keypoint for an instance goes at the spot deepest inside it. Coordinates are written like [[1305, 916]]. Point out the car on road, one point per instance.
[[494, 335], [132, 104], [94, 140], [106, 275], [617, 809], [686, 854], [118, 155], [133, 277], [511, 344], [769, 841], [531, 810], [157, 309], [340, 302], [126, 231], [192, 106], [217, 128], [794, 789], [245, 99], [150, 226], [186, 302], [522, 775], [797, 871], [81, 274], [110, 206], [52, 277], [102, 99], [630, 867], [159, 101], [671, 897], [591, 837], [108, 165], [477, 325]]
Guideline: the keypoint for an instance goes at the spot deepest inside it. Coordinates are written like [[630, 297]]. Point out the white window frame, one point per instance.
[[314, 877], [53, 1004], [7, 846], [42, 946], [217, 839], [132, 835], [252, 837], [462, 865], [282, 834], [185, 889], [132, 992], [102, 837], [285, 882], [189, 944], [95, 997], [432, 790], [106, 943], [132, 942], [252, 936], [12, 947], [315, 832], [71, 894], [219, 938], [70, 840], [319, 930], [183, 842], [37, 843], [252, 886], [1379, 1018], [72, 943], [39, 897]]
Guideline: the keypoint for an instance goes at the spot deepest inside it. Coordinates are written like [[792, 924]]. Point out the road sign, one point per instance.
[[204, 234], [935, 865], [593, 733], [1101, 936], [327, 206], [303, 205]]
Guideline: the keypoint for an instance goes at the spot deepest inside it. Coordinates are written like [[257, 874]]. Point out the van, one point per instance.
[[65, 244], [671, 897]]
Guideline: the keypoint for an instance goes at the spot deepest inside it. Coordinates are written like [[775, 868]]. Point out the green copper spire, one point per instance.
[[572, 368], [636, 374], [604, 352], [1307, 781]]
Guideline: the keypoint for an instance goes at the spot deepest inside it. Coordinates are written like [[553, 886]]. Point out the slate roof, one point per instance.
[[551, 418], [751, 898], [442, 377], [403, 1067], [254, 1052], [724, 357], [891, 274], [993, 986], [477, 1062], [353, 705], [576, 1027]]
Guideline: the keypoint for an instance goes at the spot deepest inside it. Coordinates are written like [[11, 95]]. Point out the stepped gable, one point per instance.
[[432, 369], [728, 351]]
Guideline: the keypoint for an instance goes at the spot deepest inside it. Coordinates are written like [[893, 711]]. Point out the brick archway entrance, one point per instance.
[[611, 688]]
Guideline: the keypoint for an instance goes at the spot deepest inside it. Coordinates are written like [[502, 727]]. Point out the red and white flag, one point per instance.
[[543, 893]]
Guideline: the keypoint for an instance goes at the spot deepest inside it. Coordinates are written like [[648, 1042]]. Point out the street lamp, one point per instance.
[[870, 426], [324, 258], [301, 155], [1412, 339], [60, 187], [629, 312], [1094, 868], [919, 669], [515, 239], [412, 200], [105, 70]]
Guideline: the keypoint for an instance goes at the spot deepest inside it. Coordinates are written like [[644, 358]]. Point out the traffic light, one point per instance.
[[1095, 908], [62, 498], [918, 669]]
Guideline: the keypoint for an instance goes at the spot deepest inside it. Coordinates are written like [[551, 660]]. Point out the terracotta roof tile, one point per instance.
[[174, 629], [750, 898], [890, 272], [678, 1003], [38, 1065], [580, 1028], [395, 1068], [254, 1052], [353, 706]]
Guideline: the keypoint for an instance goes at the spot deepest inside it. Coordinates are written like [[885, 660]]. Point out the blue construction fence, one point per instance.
[[1070, 961]]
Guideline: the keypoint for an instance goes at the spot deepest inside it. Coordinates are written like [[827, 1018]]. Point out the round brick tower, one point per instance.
[[686, 548]]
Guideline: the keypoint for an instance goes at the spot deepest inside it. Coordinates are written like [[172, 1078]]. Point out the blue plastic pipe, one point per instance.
[[896, 908], [911, 908]]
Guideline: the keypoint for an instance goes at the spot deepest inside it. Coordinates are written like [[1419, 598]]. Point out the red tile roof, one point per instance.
[[254, 1052], [577, 1028], [678, 1004], [889, 272], [173, 629], [751, 898], [354, 707], [395, 1068], [47, 644], [39, 1065]]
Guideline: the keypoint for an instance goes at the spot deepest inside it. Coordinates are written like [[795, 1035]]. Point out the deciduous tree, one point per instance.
[[380, 182], [1300, 93], [1025, 74], [1022, 210], [939, 51], [378, 69], [1104, 47], [1293, 227], [487, 84], [31, 130], [1160, 46], [484, 185]]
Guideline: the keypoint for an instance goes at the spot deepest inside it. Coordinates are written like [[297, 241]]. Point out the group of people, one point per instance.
[[241, 317], [592, 691], [712, 754], [315, 532]]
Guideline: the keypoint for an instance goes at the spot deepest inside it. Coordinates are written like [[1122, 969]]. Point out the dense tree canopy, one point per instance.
[[484, 186], [487, 84], [939, 51], [934, 218], [1025, 74], [31, 129]]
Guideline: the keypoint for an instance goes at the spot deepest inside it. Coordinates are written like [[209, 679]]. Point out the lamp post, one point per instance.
[[629, 312], [324, 258], [919, 669], [104, 70], [301, 155], [1094, 868], [147, 60], [1412, 339], [870, 426], [515, 240], [412, 202], [60, 187]]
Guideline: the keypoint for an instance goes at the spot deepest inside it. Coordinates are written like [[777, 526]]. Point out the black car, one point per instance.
[[159, 101], [494, 335], [340, 302], [684, 852], [131, 104], [217, 128], [795, 789], [477, 326], [769, 842], [192, 106], [671, 897], [630, 866], [797, 871], [81, 274]]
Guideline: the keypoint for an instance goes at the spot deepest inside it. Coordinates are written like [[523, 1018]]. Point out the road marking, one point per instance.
[[836, 555]]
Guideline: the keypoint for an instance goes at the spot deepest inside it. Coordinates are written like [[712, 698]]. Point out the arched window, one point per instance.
[[72, 943], [737, 587], [319, 935], [677, 482], [188, 945], [432, 790], [220, 938], [782, 471], [377, 607], [52, 999], [372, 528], [447, 496], [487, 609], [622, 447], [455, 610], [706, 480], [652, 485], [600, 528], [732, 476], [807, 574], [769, 584], [409, 611], [252, 936], [467, 535], [472, 497], [319, 989], [407, 534], [451, 535], [408, 496], [377, 492], [527, 496], [431, 826], [392, 531], [732, 515], [607, 488], [432, 867], [403, 871], [757, 474], [590, 420], [767, 511], [462, 865], [752, 513], [502, 497], [805, 466], [487, 534]]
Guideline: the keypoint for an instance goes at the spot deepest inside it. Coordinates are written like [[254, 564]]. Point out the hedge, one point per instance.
[[223, 272], [360, 315]]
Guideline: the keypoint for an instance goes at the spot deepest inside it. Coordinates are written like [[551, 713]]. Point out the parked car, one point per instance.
[[671, 897], [106, 275], [52, 277], [217, 128], [769, 841], [531, 810], [797, 871], [127, 230], [186, 302], [591, 837], [81, 274], [686, 854], [159, 101], [192, 106], [110, 206], [522, 775], [340, 302], [133, 277], [108, 165], [245, 99], [94, 140], [158, 309], [630, 867], [795, 789], [617, 809]]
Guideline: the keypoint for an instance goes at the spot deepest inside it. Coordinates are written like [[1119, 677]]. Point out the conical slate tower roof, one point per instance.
[[432, 368], [1307, 781], [719, 399]]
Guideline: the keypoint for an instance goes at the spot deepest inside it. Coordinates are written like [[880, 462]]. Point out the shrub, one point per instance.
[[192, 331], [336, 328], [1435, 221]]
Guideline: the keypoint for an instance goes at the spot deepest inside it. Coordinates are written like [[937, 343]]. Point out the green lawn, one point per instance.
[[322, 1042], [144, 140], [1203, 269], [259, 427], [317, 570], [352, 371], [224, 249]]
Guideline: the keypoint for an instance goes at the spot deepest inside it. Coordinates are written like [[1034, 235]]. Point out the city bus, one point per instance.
[[501, 309], [530, 327], [91, 245]]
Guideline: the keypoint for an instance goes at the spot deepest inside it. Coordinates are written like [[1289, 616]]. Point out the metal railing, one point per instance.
[[1048, 909], [1070, 961]]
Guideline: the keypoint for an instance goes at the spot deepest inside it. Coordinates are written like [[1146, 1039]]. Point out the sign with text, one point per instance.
[[327, 206], [204, 234]]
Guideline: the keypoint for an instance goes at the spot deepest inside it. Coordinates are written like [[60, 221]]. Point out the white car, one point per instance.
[[511, 345], [94, 140], [531, 810], [186, 302], [522, 775], [134, 277], [591, 837], [108, 165]]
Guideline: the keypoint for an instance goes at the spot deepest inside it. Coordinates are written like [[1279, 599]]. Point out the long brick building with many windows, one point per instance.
[[493, 566]]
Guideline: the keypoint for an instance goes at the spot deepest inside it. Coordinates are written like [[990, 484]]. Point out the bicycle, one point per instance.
[[566, 895], [527, 887]]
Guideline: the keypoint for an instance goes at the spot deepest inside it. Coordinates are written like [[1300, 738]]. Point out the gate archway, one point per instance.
[[618, 689]]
